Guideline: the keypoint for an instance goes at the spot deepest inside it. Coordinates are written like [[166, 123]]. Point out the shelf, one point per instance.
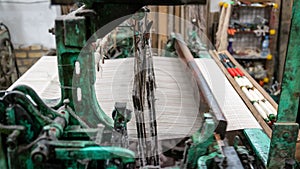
[[247, 21], [246, 32], [253, 6], [248, 57]]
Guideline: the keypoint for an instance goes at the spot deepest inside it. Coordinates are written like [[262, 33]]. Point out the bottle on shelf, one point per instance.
[[229, 47], [265, 47]]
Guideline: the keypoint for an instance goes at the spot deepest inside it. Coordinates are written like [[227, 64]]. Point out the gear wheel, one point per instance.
[[8, 65]]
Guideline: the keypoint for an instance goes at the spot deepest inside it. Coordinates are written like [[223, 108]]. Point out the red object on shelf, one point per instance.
[[261, 83], [231, 72], [231, 31], [235, 72], [239, 71]]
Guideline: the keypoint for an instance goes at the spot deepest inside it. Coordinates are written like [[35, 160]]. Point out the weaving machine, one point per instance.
[[78, 132]]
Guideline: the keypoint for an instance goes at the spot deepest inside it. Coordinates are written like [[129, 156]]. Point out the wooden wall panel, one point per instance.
[[170, 19], [284, 30]]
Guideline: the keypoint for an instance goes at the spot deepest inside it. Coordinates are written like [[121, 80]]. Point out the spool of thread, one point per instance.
[[249, 96], [268, 104], [239, 71], [229, 63], [271, 107], [254, 96], [261, 97], [261, 111], [269, 112], [247, 82], [239, 81], [236, 72], [231, 72]]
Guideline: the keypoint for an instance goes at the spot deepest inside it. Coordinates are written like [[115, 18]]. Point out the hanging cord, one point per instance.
[[99, 54]]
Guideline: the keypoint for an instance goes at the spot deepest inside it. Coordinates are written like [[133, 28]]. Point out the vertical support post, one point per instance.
[[71, 33], [285, 130]]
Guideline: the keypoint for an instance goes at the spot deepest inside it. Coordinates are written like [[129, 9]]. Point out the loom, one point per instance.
[[114, 115]]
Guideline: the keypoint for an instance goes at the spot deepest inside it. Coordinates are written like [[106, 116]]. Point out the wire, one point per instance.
[[23, 2]]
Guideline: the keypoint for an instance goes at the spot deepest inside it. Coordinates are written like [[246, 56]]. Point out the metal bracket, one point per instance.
[[283, 144]]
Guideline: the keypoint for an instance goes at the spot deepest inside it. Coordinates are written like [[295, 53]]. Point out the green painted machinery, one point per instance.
[[34, 135], [76, 133]]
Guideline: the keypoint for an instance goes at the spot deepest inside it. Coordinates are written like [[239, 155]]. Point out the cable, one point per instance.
[[22, 2]]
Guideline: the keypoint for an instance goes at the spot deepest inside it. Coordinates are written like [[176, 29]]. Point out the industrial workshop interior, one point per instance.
[[149, 84]]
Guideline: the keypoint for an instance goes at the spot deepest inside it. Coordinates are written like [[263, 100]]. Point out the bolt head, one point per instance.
[[38, 158], [286, 135]]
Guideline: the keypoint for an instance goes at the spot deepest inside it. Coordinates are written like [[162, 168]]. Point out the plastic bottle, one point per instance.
[[265, 47], [229, 47]]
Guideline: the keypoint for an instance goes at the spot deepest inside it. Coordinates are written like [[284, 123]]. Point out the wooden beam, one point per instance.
[[162, 27], [284, 31]]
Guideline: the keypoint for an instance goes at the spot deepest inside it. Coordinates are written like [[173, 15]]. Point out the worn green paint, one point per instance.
[[259, 142], [285, 130], [74, 36], [95, 153], [47, 130], [202, 140], [87, 108], [73, 47], [40, 105], [203, 161], [41, 121], [289, 98], [79, 132], [283, 145], [71, 34]]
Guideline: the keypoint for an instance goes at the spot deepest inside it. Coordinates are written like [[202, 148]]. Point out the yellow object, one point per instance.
[[225, 5], [269, 57], [272, 32], [266, 80], [221, 3], [275, 6]]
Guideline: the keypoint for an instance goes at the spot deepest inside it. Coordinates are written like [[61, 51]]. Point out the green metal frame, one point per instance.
[[48, 137], [79, 99], [285, 130], [204, 146]]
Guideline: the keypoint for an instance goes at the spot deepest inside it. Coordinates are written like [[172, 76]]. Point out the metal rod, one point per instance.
[[205, 92]]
